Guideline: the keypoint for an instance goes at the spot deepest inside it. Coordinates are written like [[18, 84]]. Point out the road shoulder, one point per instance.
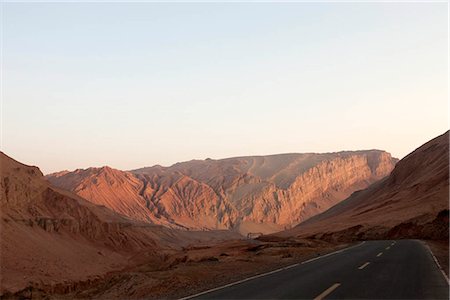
[[440, 250]]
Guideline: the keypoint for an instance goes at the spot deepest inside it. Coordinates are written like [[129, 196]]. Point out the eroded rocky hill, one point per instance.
[[52, 239]]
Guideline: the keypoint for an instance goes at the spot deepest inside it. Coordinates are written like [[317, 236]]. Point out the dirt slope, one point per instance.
[[249, 194]]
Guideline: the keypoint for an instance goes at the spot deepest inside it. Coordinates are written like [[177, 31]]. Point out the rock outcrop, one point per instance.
[[249, 194]]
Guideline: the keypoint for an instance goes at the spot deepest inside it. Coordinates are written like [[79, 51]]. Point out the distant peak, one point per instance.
[[103, 168], [107, 170], [59, 173]]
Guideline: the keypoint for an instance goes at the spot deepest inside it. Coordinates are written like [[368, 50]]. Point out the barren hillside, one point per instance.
[[51, 237]]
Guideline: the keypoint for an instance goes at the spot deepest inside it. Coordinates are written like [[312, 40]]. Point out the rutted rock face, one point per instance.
[[263, 193]]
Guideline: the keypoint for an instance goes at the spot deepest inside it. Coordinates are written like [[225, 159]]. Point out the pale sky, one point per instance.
[[132, 85]]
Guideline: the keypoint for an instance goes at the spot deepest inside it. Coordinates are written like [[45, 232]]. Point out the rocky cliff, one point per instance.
[[412, 202], [258, 193]]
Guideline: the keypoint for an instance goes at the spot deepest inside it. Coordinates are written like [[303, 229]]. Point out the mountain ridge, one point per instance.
[[275, 191]]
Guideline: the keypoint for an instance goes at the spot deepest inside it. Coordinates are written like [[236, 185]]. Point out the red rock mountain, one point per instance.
[[249, 194], [412, 202], [52, 237]]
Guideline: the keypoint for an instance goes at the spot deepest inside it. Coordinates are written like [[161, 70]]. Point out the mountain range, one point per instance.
[[248, 194]]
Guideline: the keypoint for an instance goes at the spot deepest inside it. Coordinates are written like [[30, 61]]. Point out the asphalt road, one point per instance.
[[402, 269]]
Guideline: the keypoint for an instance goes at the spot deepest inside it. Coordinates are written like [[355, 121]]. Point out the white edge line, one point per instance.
[[268, 273], [439, 265]]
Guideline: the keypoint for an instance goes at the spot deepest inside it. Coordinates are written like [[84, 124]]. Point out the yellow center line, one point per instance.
[[364, 265], [387, 248], [327, 291], [379, 254]]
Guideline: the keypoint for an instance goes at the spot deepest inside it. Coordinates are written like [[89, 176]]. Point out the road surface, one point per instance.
[[403, 269]]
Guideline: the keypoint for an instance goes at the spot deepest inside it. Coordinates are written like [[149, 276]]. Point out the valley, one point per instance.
[[171, 232]]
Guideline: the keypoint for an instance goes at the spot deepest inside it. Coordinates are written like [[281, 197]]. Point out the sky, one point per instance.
[[137, 84]]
